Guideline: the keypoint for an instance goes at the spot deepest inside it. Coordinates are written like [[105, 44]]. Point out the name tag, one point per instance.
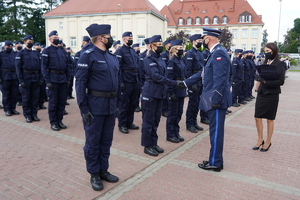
[[101, 61], [169, 67], [82, 65], [151, 64], [145, 98]]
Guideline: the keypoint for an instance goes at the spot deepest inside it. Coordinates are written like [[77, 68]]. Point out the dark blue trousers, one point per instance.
[[70, 89], [216, 133], [129, 100], [151, 114], [30, 97], [192, 109], [244, 88], [174, 116], [10, 89], [98, 140], [42, 95], [165, 107], [236, 90], [57, 100], [251, 85]]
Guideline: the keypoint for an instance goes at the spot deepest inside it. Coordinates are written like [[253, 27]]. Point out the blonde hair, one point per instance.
[[152, 44], [172, 51], [94, 39]]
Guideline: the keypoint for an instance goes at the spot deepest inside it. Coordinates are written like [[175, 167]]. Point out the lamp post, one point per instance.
[[121, 17], [279, 22]]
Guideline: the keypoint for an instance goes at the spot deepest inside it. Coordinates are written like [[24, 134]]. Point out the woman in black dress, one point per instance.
[[268, 97]]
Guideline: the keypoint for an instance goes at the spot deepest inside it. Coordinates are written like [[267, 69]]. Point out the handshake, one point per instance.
[[181, 85]]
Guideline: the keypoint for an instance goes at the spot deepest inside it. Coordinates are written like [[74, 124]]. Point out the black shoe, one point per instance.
[[123, 129], [35, 118], [71, 97], [19, 103], [164, 114], [229, 111], [239, 104], [42, 107], [247, 99], [209, 167], [235, 105], [264, 150], [150, 151], [14, 112], [256, 148], [8, 113], [65, 112], [133, 127], [67, 103], [105, 175], [61, 125], [205, 121], [55, 127], [199, 128], [96, 182], [28, 119], [158, 149], [206, 162], [192, 129], [243, 102], [173, 139], [252, 97], [1, 107], [137, 109], [180, 138]]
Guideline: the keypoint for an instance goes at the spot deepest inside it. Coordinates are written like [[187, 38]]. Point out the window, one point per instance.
[[254, 33], [204, 11], [234, 33], [215, 20], [187, 12], [206, 20], [245, 17], [224, 20], [61, 26], [253, 47], [180, 21], [244, 33], [73, 41], [189, 21], [221, 11], [169, 32], [244, 47], [141, 39], [197, 21], [233, 47], [197, 32], [242, 19]]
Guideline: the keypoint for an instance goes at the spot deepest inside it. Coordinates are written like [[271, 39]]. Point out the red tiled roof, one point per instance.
[[82, 7], [194, 8]]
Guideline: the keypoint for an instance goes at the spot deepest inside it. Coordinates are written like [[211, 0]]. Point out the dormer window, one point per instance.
[[215, 20], [197, 21], [189, 21], [221, 11], [245, 17], [203, 11], [206, 20], [187, 12], [180, 21], [224, 20]]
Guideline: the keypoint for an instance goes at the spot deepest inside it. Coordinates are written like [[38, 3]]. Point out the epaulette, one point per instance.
[[88, 51]]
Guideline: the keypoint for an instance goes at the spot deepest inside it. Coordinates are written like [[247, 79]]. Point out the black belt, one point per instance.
[[130, 70], [31, 71], [8, 70], [151, 80], [247, 71], [102, 94], [196, 71], [57, 72], [240, 72], [179, 79]]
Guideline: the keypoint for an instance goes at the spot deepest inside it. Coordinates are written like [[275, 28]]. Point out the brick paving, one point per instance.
[[38, 163]]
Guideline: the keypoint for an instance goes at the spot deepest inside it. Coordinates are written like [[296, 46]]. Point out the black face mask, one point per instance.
[[8, 50], [138, 52], [29, 45], [249, 57], [55, 41], [169, 48], [69, 53], [269, 56], [259, 59], [230, 55], [129, 42], [109, 43], [180, 52], [205, 45], [159, 49], [198, 45], [19, 48], [240, 56], [38, 50]]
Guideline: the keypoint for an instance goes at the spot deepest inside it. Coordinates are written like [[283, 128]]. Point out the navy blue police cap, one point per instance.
[[228, 50], [211, 32], [251, 51], [155, 38], [43, 46], [127, 34], [60, 42], [258, 56], [8, 43], [176, 42], [147, 40], [195, 37], [167, 41], [28, 37], [18, 42], [68, 48], [53, 33], [238, 51], [245, 52], [116, 42], [37, 44], [98, 29], [135, 45], [86, 39]]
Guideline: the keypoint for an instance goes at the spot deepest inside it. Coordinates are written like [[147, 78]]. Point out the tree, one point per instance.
[[181, 35], [292, 38], [35, 26], [264, 40], [225, 38], [53, 3]]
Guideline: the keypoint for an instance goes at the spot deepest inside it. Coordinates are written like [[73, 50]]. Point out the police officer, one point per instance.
[[194, 63], [72, 73], [37, 47], [252, 64], [175, 71], [237, 77], [42, 94], [203, 115], [129, 83], [216, 75], [18, 47], [245, 83], [136, 48], [153, 92], [56, 73], [9, 79], [85, 40], [117, 45], [30, 78], [96, 89]]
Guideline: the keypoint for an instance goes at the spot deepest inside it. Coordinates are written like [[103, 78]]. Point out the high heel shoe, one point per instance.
[[256, 148], [263, 150]]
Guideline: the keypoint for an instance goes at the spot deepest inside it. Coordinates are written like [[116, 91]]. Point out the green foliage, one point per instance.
[[264, 40], [292, 38], [294, 62], [35, 26]]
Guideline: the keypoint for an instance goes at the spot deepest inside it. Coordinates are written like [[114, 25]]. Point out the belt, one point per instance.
[[57, 72], [247, 71], [179, 79], [8, 70], [240, 72], [130, 70], [151, 80], [102, 94], [31, 71], [196, 71]]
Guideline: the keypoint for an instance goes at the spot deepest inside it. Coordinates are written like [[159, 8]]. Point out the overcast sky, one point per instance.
[[269, 9]]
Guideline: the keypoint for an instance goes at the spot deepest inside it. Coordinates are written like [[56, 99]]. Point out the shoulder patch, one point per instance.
[[119, 56], [151, 64], [219, 58], [189, 58], [169, 67], [45, 55], [18, 58]]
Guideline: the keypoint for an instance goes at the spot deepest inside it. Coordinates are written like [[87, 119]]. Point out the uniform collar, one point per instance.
[[211, 50]]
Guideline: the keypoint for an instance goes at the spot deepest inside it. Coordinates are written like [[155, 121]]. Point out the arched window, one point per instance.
[[180, 21], [206, 20], [224, 20], [189, 21], [197, 21], [215, 20]]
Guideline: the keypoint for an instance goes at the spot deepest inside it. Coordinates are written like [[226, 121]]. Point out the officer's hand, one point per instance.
[[1, 81], [41, 82], [260, 79], [194, 88], [180, 85], [87, 118], [215, 106], [173, 97], [23, 85], [49, 86], [122, 87]]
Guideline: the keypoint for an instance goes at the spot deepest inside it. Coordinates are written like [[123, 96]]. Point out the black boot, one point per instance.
[[96, 182]]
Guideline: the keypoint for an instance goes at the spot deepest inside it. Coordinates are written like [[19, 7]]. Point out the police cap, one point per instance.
[[8, 43], [37, 44], [135, 45], [116, 42], [86, 39], [245, 52], [147, 40], [53, 33], [28, 37], [127, 34], [195, 37], [176, 42], [211, 32], [98, 29], [238, 51], [155, 38], [167, 41]]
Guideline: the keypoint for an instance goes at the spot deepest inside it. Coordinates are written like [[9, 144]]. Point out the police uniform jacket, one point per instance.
[[237, 69], [246, 66], [55, 65], [129, 61], [71, 65], [194, 63], [28, 66], [76, 58], [7, 65], [141, 67], [97, 70], [176, 71], [252, 67], [165, 56], [155, 80], [216, 75]]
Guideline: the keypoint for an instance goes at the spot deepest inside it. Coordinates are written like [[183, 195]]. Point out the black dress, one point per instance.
[[268, 94]]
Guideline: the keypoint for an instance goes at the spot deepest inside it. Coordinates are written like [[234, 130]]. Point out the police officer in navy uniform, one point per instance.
[[203, 114], [251, 55], [96, 89], [237, 77], [56, 73], [116, 45], [153, 93], [194, 63], [129, 83], [30, 78], [9, 79], [245, 83], [18, 47], [72, 72], [216, 84], [85, 41], [141, 58], [136, 48]]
